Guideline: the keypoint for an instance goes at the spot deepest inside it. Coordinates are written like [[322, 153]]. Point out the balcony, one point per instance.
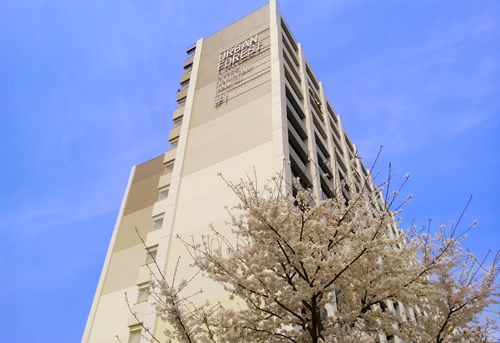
[[185, 77], [182, 94], [178, 113], [174, 133]]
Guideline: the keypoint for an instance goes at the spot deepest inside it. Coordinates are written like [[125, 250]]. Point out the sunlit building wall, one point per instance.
[[248, 100]]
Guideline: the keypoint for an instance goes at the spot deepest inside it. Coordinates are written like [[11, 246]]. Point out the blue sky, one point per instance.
[[88, 88]]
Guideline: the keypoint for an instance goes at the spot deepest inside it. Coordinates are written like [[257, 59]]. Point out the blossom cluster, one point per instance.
[[334, 270]]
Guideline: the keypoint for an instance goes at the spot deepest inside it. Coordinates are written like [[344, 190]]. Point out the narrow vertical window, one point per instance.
[[135, 334], [143, 292], [163, 193], [169, 167], [174, 144], [151, 254], [178, 122], [157, 223]]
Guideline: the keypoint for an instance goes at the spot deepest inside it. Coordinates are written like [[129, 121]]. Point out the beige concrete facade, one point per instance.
[[250, 100], [125, 258]]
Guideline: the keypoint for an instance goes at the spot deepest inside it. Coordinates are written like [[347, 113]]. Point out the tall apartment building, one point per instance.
[[248, 99]]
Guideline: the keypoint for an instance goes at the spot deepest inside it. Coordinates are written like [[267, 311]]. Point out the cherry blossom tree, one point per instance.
[[299, 269]]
